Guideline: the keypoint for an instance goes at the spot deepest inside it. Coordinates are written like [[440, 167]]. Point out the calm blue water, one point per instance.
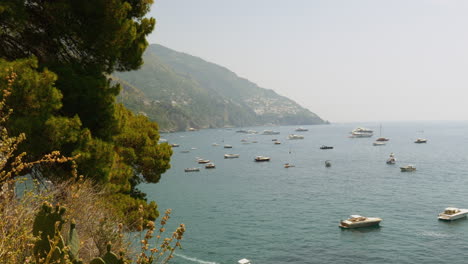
[[270, 214]]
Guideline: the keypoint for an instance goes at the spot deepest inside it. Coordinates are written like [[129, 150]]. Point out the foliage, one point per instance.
[[63, 52]]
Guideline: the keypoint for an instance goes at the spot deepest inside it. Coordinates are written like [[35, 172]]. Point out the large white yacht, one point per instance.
[[452, 213], [362, 132], [355, 221]]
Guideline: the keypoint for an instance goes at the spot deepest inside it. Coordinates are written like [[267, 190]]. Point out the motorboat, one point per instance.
[[408, 168], [293, 136], [277, 143], [262, 158], [227, 146], [301, 129], [326, 147], [215, 144], [288, 165], [231, 156], [355, 221], [242, 131], [270, 132], [361, 132], [244, 261], [192, 129], [175, 145], [210, 166], [203, 161], [244, 140], [420, 140], [391, 159], [452, 213], [378, 143], [327, 163], [191, 169]]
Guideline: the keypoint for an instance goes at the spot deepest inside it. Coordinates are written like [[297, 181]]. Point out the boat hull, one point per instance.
[[445, 217], [370, 222]]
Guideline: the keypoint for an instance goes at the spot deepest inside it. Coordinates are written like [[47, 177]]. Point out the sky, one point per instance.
[[345, 60]]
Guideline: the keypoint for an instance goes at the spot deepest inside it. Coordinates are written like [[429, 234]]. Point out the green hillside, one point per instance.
[[180, 91]]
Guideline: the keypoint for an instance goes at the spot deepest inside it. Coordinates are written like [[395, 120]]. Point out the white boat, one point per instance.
[[262, 158], [227, 146], [378, 143], [391, 159], [361, 132], [452, 213], [231, 156], [421, 140], [288, 165], [174, 145], [244, 261], [355, 221], [293, 136], [408, 168], [301, 129], [191, 169], [215, 144], [192, 129], [270, 132], [277, 142], [202, 161], [210, 166]]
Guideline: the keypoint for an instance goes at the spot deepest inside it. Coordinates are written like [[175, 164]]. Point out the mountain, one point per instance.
[[179, 91]]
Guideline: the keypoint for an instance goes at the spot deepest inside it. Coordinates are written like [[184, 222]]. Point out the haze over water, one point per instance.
[[270, 214]]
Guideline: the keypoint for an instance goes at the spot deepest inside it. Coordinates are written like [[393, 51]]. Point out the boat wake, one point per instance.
[[195, 259]]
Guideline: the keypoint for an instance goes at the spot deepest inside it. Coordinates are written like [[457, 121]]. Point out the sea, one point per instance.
[[270, 214]]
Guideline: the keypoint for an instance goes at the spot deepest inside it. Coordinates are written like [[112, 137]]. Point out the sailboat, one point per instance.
[[381, 139]]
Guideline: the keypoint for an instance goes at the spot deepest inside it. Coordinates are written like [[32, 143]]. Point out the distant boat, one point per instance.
[[255, 141], [288, 165], [420, 140], [326, 147], [210, 166], [174, 145], [355, 221], [202, 161], [378, 143], [242, 131], [361, 132], [452, 213], [301, 129], [227, 146], [215, 144], [270, 132], [381, 139], [408, 168], [231, 156], [327, 164], [192, 169], [277, 143], [191, 129], [184, 151], [244, 261], [391, 159], [293, 136], [262, 158]]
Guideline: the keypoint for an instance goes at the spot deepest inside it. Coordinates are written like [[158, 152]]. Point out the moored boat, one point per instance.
[[277, 143], [408, 168], [288, 165], [262, 158], [326, 147], [327, 163], [202, 161], [174, 145], [210, 166], [270, 132], [391, 159], [191, 169], [355, 221], [378, 143], [452, 213], [227, 146], [231, 156], [301, 129], [244, 261], [361, 132], [420, 140], [382, 139], [293, 136]]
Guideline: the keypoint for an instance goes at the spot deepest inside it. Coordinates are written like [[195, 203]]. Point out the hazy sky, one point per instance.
[[348, 60]]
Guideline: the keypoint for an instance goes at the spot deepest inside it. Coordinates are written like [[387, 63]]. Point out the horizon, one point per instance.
[[366, 60]]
